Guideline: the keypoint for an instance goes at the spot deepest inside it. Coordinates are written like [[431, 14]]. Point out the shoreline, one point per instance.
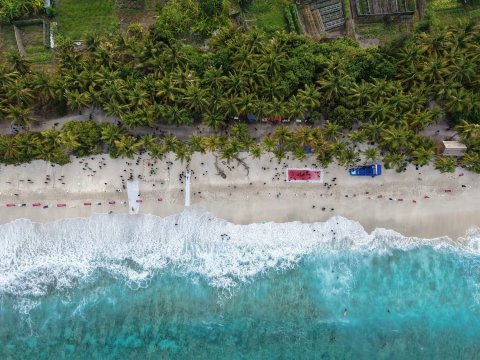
[[259, 194]]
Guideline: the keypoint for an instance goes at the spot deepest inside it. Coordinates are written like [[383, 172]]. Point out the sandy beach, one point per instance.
[[423, 202]]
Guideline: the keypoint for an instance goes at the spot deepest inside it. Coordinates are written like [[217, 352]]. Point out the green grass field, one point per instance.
[[76, 18], [268, 14], [383, 32], [7, 40]]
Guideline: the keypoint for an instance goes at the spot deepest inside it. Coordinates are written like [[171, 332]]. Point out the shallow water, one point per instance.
[[193, 286]]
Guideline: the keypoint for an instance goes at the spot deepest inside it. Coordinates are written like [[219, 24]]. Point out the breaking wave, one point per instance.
[[40, 258]]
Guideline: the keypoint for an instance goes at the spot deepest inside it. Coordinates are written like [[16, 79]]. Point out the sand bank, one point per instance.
[[415, 203]]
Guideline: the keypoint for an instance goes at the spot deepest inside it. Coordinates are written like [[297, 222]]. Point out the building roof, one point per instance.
[[454, 145]]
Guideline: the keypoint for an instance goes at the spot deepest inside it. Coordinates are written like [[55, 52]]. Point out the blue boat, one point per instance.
[[368, 170]]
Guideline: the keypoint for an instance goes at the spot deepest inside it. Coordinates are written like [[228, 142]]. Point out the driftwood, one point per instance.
[[244, 164], [220, 171]]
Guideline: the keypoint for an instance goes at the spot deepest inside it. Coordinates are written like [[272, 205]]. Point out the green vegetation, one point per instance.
[[376, 96], [7, 39], [451, 11], [15, 9], [268, 15], [185, 17], [76, 18], [33, 41]]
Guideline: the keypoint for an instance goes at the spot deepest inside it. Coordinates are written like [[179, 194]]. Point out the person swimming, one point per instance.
[[345, 312]]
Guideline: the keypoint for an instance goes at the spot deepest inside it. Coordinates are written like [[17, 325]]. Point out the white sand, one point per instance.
[[243, 197]]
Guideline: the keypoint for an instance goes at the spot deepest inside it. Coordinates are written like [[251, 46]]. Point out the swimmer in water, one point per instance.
[[345, 312]]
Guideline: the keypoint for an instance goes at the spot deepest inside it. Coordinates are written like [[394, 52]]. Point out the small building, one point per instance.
[[453, 148]]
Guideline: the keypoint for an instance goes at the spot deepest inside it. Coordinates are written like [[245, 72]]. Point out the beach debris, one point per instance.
[[220, 171]]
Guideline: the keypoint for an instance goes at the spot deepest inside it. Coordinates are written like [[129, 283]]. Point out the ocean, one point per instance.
[[193, 286]]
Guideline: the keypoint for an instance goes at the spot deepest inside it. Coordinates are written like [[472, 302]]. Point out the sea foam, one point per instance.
[[38, 258]]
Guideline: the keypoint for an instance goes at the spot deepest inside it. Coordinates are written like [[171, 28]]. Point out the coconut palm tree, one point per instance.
[[445, 164], [395, 160], [213, 143], [111, 133], [214, 121], [332, 130], [471, 160], [309, 96], [334, 84], [177, 116], [371, 154], [77, 100], [280, 155], [295, 108], [269, 143], [299, 153], [182, 152], [422, 156], [149, 142], [373, 130], [19, 116], [196, 143], [69, 140], [255, 151], [195, 98], [357, 136], [127, 146], [18, 62]]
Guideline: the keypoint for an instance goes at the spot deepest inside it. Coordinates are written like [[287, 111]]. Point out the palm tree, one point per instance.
[[195, 98], [279, 154], [283, 136], [229, 106], [77, 100], [380, 111], [18, 62], [395, 160], [255, 151], [296, 108], [51, 138], [373, 130], [348, 157], [111, 133], [309, 96], [149, 142], [357, 136], [371, 154], [69, 140], [468, 131], [212, 143], [127, 146], [196, 143], [171, 143], [397, 139], [334, 85], [214, 121], [445, 164], [471, 160], [422, 156], [458, 100], [299, 153], [166, 90], [182, 152], [332, 130], [18, 92], [177, 116], [269, 143], [19, 116]]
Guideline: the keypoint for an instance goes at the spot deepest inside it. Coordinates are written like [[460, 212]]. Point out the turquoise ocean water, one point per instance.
[[196, 287]]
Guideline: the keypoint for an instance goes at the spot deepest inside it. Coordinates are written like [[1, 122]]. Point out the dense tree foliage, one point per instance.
[[15, 9], [377, 96]]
